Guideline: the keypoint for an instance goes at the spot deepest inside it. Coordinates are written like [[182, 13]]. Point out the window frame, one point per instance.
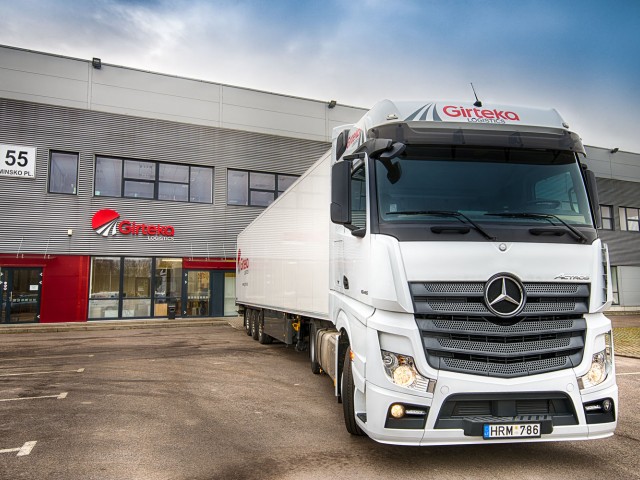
[[624, 219], [156, 181], [609, 218], [276, 191], [50, 175]]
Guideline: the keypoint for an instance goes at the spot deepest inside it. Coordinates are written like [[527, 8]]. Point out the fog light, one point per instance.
[[397, 410], [607, 405]]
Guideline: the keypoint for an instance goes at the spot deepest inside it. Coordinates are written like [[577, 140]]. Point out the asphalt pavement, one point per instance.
[[626, 328], [209, 402]]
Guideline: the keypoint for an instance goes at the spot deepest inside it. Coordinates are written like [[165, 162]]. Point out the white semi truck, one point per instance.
[[442, 266]]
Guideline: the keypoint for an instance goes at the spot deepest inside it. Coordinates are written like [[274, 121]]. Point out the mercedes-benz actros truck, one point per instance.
[[441, 264]]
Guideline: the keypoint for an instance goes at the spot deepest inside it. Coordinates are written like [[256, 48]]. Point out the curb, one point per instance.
[[111, 325]]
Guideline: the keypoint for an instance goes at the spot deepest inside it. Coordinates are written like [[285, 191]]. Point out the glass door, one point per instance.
[[20, 297], [198, 293]]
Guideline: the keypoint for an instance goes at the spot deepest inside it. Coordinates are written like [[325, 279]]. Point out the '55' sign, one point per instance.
[[17, 161]]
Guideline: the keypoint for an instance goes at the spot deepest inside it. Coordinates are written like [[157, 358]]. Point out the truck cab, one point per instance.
[[468, 284]]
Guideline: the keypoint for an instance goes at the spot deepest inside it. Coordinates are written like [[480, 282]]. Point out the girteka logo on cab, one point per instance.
[[458, 113], [107, 223]]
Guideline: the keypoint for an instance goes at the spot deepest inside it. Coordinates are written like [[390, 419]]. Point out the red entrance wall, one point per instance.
[[65, 285]]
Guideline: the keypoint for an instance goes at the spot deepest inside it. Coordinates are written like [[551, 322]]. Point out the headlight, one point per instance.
[[601, 364], [401, 370]]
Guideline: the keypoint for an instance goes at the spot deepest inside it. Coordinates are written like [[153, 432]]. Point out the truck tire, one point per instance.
[[254, 324], [313, 357], [247, 321], [263, 338], [348, 393]]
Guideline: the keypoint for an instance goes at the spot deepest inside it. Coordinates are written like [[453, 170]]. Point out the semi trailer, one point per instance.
[[441, 264]]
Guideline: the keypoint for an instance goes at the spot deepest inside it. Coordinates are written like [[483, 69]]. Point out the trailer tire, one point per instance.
[[254, 324], [348, 393], [247, 321], [263, 338], [313, 358]]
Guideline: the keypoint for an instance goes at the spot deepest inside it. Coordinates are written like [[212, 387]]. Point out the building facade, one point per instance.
[[123, 191]]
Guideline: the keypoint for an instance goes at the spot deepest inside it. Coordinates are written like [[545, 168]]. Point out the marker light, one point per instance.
[[404, 376], [401, 370], [601, 364]]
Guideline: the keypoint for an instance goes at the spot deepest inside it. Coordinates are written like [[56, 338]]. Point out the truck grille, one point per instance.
[[460, 334]]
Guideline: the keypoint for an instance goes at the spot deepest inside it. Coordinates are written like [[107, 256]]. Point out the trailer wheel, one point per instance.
[[263, 338], [247, 321], [315, 366], [348, 393], [254, 324]]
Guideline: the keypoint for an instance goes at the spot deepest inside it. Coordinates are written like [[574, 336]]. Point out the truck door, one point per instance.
[[353, 244]]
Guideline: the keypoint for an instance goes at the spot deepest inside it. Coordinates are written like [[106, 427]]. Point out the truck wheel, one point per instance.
[[247, 321], [315, 366], [348, 393], [254, 324], [263, 338]]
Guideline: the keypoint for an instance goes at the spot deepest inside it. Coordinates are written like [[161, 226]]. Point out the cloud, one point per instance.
[[576, 56]]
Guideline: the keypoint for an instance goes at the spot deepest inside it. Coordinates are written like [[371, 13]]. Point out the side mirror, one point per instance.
[[341, 193], [341, 143]]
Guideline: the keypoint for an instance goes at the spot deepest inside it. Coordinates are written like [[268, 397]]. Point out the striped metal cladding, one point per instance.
[[460, 334], [36, 222], [623, 245]]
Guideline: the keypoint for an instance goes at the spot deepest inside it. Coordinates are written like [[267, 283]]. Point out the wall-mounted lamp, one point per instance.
[[332, 104], [69, 232], [615, 150], [97, 63]]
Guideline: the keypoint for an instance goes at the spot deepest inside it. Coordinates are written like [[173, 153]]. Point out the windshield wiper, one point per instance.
[[446, 213], [544, 216]]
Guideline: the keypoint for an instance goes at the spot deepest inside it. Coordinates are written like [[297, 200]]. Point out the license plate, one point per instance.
[[513, 430]]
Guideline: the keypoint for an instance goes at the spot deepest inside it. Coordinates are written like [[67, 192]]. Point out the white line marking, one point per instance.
[[22, 451], [629, 373], [26, 449], [49, 356], [80, 370], [59, 396]]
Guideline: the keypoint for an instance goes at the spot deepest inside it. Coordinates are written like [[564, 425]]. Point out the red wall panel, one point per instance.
[[65, 285]]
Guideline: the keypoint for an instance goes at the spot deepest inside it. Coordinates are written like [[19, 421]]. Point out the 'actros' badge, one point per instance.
[[504, 295]]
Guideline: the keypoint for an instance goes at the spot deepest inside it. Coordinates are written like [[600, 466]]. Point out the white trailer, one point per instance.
[[442, 266]]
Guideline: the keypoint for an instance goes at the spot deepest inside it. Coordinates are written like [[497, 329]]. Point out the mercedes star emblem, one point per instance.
[[504, 295]]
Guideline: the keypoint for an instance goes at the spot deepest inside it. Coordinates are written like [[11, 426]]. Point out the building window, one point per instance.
[[117, 177], [136, 287], [63, 173], [629, 219], [104, 289], [256, 189], [606, 212], [123, 287], [168, 285]]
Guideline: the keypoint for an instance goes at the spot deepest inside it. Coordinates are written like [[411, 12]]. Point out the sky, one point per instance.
[[581, 57]]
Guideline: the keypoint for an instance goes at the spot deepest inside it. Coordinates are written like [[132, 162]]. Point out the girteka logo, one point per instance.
[[433, 112], [107, 223]]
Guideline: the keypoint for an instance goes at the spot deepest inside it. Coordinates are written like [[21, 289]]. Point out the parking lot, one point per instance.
[[208, 402]]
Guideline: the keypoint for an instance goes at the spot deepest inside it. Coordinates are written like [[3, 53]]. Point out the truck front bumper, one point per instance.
[[564, 419]]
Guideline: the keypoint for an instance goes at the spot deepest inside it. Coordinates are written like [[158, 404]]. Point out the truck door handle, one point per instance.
[[345, 282]]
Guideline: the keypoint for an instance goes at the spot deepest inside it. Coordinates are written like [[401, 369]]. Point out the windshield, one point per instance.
[[486, 185]]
